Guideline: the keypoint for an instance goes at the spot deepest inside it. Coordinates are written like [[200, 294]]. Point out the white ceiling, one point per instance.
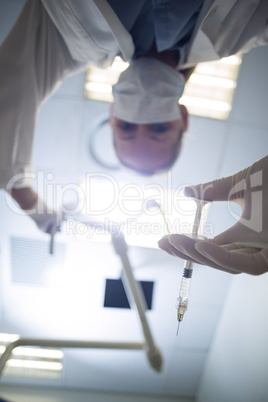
[[67, 303]]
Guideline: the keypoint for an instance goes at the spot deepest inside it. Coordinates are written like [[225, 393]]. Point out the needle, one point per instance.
[[51, 244], [178, 328]]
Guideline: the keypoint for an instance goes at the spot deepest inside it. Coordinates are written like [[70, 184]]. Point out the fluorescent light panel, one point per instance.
[[32, 361], [38, 365], [208, 92]]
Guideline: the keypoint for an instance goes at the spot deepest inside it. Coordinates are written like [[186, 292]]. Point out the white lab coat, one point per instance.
[[223, 28], [91, 30], [226, 27], [29, 73], [94, 35]]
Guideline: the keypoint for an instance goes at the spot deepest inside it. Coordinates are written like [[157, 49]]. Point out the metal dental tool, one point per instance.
[[132, 287], [182, 300]]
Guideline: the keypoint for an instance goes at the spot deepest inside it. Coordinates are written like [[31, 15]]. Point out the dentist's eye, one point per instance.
[[159, 128], [123, 125]]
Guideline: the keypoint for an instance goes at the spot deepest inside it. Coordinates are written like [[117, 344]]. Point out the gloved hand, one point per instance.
[[244, 246], [46, 219]]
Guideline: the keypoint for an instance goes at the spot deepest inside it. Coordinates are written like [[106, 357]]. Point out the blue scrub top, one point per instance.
[[168, 23]]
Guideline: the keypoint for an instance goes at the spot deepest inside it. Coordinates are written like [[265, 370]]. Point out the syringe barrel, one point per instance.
[[185, 284], [182, 300]]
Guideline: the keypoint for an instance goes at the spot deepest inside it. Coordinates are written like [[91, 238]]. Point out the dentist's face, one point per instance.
[[147, 148]]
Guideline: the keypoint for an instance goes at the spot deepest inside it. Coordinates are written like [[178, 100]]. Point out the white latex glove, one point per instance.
[[244, 246], [46, 219]]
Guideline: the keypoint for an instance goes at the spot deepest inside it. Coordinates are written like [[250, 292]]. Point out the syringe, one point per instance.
[[182, 300]]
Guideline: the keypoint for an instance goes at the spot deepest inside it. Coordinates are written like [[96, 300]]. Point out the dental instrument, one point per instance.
[[132, 287]]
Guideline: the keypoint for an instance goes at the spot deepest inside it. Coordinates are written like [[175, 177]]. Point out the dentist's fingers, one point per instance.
[[254, 263], [187, 246], [166, 246]]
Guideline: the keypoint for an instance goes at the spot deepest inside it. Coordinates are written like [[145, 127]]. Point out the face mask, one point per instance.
[[148, 92]]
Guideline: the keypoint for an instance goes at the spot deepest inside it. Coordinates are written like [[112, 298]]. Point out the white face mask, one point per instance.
[[148, 92]]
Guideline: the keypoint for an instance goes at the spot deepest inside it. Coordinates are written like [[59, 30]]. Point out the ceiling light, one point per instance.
[[235, 60], [119, 65], [212, 81], [31, 361], [209, 91], [8, 338], [38, 353], [31, 364], [98, 82], [98, 87], [206, 104]]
